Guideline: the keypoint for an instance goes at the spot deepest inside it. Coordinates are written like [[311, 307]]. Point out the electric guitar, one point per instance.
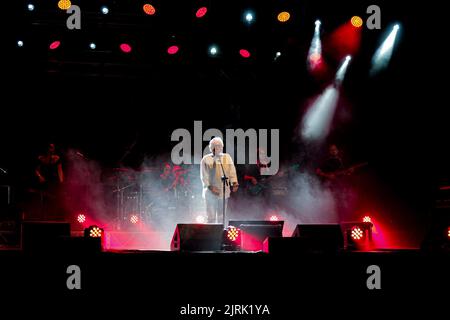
[[344, 172]]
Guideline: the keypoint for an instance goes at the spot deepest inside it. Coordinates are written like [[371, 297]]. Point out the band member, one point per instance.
[[212, 168], [255, 177], [50, 174], [49, 170], [166, 177], [336, 178], [333, 165]]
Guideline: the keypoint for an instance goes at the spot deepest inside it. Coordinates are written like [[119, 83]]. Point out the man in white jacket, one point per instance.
[[212, 168]]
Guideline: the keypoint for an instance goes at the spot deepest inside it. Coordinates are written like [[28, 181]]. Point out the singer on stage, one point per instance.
[[213, 167]]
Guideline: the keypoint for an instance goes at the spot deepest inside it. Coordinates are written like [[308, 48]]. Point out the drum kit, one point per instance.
[[150, 193]]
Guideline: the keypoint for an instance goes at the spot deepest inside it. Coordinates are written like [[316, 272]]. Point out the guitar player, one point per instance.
[[333, 164], [334, 174]]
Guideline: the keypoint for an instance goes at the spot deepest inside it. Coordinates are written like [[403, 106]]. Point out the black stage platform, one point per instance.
[[288, 283]]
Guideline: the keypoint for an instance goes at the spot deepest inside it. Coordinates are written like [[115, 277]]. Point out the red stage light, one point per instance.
[[149, 9], [357, 233], [448, 232], [81, 218], [172, 49], [233, 233], [356, 21], [125, 47], [367, 219], [244, 53], [54, 45], [134, 219], [274, 218], [201, 12]]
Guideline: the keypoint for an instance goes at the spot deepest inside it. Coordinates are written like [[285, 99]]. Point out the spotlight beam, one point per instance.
[[340, 74], [315, 50], [317, 121], [382, 56]]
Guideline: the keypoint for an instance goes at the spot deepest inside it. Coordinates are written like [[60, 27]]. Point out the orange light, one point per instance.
[[95, 232], [232, 233], [283, 16], [357, 233], [64, 4], [149, 9], [357, 22]]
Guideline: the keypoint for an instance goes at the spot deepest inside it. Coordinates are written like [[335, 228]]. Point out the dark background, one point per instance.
[[102, 102]]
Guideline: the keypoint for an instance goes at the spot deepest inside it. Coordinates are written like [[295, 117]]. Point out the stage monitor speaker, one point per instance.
[[318, 238], [254, 232], [43, 235], [197, 237]]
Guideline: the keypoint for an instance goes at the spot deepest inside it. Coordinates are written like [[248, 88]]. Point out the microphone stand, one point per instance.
[[224, 182]]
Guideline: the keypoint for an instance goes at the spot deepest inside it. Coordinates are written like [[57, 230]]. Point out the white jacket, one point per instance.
[[211, 173]]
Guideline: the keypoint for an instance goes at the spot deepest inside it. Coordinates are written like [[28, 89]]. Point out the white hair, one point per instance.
[[217, 141]]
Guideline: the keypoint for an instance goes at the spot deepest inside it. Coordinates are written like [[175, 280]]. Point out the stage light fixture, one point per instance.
[[249, 17], [149, 9], [30, 7], [232, 239], [201, 12], [20, 43], [81, 218], [367, 219], [134, 219], [358, 235], [93, 232], [104, 9], [173, 49], [356, 21], [125, 47], [283, 16], [233, 233], [54, 45], [64, 4], [448, 233], [213, 50], [274, 218], [244, 53], [92, 45]]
